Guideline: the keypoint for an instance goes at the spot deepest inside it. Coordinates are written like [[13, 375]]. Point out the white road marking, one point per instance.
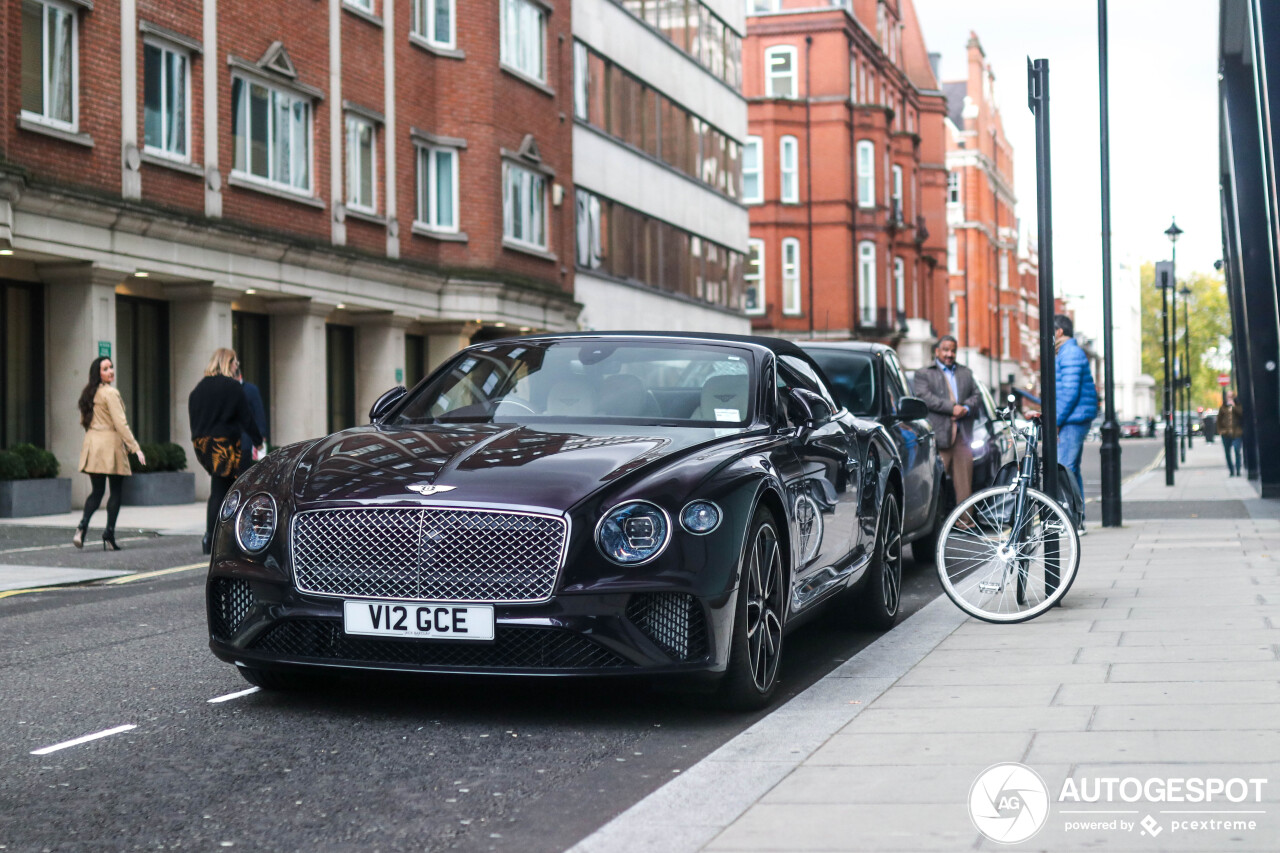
[[235, 695], [57, 746]]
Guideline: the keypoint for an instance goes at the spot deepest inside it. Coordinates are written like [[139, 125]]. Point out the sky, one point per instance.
[[1162, 65]]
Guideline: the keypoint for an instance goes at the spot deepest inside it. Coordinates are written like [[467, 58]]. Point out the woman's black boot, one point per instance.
[[204, 544], [109, 538]]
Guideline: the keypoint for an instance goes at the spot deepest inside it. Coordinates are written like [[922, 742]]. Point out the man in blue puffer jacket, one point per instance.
[[1076, 394]]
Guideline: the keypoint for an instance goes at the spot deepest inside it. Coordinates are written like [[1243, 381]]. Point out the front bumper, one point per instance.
[[259, 621]]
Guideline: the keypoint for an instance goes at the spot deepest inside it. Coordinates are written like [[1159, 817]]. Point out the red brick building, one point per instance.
[[855, 246], [993, 286], [347, 191]]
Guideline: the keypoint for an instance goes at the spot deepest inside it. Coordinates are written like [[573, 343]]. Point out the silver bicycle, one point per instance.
[[1010, 552]]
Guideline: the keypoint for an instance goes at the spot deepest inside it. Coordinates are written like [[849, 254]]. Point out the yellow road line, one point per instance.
[[157, 573], [10, 592]]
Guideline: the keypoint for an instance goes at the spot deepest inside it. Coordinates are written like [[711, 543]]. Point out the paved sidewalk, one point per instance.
[[174, 520], [1162, 663]]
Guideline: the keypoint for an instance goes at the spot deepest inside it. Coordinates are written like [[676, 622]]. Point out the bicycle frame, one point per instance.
[[1028, 477]]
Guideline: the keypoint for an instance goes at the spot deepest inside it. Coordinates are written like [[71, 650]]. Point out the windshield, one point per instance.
[[853, 378], [588, 380]]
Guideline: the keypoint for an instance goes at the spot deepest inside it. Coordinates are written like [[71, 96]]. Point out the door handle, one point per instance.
[[850, 464]]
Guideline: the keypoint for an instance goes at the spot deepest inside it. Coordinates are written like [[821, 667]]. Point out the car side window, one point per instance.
[[806, 376]]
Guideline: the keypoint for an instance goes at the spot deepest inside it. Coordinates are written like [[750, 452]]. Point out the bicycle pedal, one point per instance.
[[988, 586]]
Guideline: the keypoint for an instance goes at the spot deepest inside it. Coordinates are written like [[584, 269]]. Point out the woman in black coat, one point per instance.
[[219, 414]]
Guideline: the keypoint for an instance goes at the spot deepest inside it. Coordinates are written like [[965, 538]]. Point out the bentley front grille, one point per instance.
[[674, 622], [428, 554], [513, 647], [232, 598]]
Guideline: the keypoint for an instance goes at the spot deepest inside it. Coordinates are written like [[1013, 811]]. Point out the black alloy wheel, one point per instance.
[[752, 675], [880, 599]]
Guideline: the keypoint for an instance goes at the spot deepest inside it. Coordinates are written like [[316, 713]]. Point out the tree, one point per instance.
[[1210, 323]]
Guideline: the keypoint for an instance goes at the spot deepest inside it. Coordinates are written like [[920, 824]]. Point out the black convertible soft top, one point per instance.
[[777, 345]]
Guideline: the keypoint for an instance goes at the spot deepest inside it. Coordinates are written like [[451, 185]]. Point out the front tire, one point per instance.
[[880, 601], [751, 678]]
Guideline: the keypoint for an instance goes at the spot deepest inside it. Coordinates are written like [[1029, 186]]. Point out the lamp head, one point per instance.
[[1173, 232]]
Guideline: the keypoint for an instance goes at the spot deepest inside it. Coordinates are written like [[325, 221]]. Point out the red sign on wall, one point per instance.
[[1224, 379]]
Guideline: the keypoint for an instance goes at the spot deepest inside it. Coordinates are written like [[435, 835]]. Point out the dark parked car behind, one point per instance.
[[993, 442], [868, 379]]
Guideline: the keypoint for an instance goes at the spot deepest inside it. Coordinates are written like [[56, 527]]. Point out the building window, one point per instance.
[[524, 35], [867, 283], [582, 81], [361, 166], [362, 5], [166, 93], [752, 171], [698, 32], [753, 279], [621, 242], [434, 21], [899, 286], [789, 168], [953, 318], [1004, 335], [524, 206], [438, 188], [780, 72], [1004, 270], [50, 65], [866, 173], [896, 209], [953, 187], [953, 254], [790, 276], [271, 130]]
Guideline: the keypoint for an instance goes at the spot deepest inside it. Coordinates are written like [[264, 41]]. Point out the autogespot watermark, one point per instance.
[[1010, 803]]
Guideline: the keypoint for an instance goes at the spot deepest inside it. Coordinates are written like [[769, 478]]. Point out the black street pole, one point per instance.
[[1186, 359], [1111, 509], [1038, 100], [1180, 390], [1170, 448]]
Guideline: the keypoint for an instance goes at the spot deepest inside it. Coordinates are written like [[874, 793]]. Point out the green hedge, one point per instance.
[[160, 457], [27, 462]]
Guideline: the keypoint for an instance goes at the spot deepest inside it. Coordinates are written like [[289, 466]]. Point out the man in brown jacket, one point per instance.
[[1231, 428], [950, 392]]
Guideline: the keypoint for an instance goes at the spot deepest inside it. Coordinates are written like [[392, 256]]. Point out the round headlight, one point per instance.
[[229, 505], [633, 533], [256, 523], [700, 517]]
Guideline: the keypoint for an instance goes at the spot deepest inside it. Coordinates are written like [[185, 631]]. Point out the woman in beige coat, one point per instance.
[[102, 456]]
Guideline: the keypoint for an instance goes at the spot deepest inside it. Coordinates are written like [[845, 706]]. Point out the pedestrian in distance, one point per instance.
[[102, 456], [250, 452], [1077, 397], [220, 414], [1231, 428], [951, 393]]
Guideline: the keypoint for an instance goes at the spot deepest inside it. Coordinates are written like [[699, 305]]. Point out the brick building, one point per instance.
[[346, 191], [993, 290], [854, 247]]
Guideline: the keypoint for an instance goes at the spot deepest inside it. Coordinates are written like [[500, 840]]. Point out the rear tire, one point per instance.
[[751, 678], [880, 599]]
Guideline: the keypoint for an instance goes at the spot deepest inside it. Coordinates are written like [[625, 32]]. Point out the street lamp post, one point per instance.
[[1110, 455], [1167, 281], [1187, 361]]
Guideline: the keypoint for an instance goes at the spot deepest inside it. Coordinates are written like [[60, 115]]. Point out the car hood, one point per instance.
[[490, 464]]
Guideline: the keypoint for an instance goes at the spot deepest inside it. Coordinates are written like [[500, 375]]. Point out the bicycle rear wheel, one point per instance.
[[998, 574]]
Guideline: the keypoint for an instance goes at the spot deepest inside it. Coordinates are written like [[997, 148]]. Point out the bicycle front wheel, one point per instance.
[[997, 573]]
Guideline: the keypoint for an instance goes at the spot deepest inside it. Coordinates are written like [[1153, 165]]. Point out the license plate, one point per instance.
[[424, 619]]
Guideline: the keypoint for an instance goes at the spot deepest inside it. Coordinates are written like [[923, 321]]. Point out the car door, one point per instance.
[[823, 482], [915, 443]]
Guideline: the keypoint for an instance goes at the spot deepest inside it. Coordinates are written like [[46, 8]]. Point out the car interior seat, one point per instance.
[[625, 395], [571, 397], [724, 398]]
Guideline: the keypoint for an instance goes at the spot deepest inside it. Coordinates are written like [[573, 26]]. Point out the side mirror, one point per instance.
[[809, 407], [912, 409], [384, 404]]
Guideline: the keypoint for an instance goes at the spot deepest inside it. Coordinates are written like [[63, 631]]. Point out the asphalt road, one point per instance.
[[459, 764], [1135, 455]]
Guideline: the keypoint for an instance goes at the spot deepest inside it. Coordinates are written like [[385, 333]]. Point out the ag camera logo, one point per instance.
[[1009, 803]]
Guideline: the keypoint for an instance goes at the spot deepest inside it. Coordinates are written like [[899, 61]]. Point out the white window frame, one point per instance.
[[953, 253], [1003, 265], [353, 124], [791, 277], [770, 76], [867, 283], [529, 179], [43, 116], [166, 47], [899, 285], [515, 53], [581, 81], [308, 134], [953, 187], [789, 170], [424, 22], [1004, 334], [754, 280], [953, 318], [426, 209], [866, 158], [896, 175], [362, 5], [757, 144]]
